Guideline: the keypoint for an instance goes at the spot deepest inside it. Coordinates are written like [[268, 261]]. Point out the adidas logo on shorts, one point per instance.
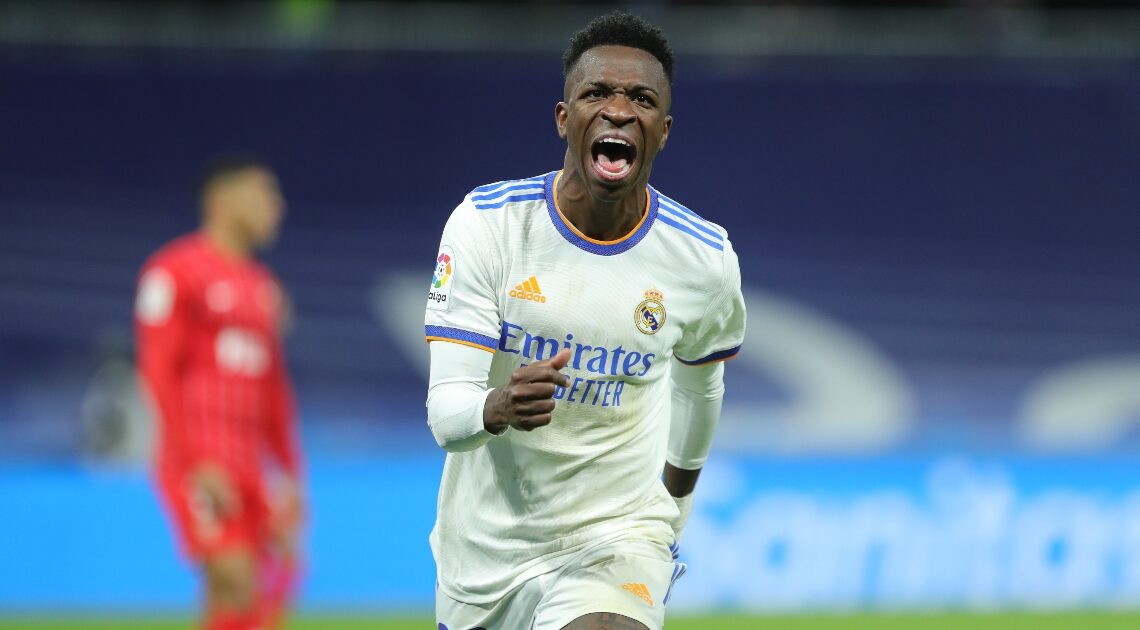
[[640, 590]]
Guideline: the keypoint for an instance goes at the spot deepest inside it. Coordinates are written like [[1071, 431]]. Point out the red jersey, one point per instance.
[[209, 351]]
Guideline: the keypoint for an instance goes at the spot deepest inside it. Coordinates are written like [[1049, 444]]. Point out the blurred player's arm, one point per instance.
[[698, 392], [283, 444], [162, 327]]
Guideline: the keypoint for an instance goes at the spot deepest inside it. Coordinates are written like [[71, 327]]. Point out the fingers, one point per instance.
[[539, 374], [524, 392], [528, 402], [556, 362], [530, 423], [560, 360], [534, 408]]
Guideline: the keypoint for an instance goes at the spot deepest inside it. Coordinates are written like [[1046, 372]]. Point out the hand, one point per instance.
[[214, 490], [288, 510], [527, 401]]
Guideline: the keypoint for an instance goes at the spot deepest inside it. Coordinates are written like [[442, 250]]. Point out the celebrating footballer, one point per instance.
[[578, 322]]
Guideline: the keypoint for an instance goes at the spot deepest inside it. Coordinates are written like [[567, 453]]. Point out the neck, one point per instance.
[[602, 219], [228, 241]]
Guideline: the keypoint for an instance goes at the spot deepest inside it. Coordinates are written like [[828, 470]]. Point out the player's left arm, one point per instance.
[[697, 379], [698, 392], [283, 445], [282, 439]]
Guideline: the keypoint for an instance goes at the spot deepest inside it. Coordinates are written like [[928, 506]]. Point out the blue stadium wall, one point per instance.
[[936, 401]]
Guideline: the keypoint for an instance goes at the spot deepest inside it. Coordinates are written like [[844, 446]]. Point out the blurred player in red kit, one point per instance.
[[208, 318]]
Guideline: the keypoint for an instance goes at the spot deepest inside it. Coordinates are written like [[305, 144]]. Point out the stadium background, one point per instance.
[[936, 214]]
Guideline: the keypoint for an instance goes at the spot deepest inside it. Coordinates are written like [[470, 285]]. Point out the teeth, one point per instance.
[[615, 141]]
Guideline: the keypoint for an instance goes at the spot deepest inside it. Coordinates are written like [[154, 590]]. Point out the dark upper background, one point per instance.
[[961, 189]]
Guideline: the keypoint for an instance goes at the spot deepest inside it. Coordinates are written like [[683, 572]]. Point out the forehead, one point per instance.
[[619, 65], [255, 176]]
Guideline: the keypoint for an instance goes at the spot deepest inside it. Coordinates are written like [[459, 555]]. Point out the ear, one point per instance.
[[665, 132], [561, 113]]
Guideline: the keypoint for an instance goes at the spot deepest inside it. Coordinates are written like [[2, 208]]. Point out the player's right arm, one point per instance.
[[161, 330], [462, 328], [464, 414], [162, 327]]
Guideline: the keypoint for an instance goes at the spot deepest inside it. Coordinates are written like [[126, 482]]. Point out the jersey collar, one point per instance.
[[583, 242]]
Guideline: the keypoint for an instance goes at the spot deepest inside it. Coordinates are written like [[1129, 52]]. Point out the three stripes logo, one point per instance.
[[528, 290], [639, 590]]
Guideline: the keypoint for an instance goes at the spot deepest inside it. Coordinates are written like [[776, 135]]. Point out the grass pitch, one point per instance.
[[1001, 621]]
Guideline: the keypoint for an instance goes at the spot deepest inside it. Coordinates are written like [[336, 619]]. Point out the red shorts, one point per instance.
[[200, 531]]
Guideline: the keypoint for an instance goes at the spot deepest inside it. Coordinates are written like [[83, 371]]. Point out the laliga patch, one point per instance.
[[155, 299], [442, 279]]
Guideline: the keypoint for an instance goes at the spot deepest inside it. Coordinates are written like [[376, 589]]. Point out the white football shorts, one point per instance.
[[627, 576]]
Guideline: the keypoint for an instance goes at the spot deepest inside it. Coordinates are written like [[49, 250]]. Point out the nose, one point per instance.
[[619, 110]]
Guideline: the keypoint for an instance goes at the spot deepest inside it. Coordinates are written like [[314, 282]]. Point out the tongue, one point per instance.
[[612, 166]]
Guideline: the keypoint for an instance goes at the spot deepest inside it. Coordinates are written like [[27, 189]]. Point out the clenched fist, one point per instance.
[[527, 401]]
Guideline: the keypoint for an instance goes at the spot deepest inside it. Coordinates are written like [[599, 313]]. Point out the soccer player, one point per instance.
[[577, 321], [208, 320]]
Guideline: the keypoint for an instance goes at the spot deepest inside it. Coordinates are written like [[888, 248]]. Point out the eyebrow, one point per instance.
[[640, 87]]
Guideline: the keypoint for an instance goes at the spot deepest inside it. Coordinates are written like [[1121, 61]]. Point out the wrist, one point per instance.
[[684, 510], [493, 418]]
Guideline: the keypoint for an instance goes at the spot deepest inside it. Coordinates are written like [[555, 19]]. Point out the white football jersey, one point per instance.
[[515, 278]]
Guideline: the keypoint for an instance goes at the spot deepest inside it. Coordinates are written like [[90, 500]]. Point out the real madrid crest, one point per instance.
[[649, 316]]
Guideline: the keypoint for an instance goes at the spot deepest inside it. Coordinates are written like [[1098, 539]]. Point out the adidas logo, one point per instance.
[[640, 590], [528, 291]]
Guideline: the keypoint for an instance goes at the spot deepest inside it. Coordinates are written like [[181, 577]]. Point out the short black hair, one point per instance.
[[619, 29], [225, 165]]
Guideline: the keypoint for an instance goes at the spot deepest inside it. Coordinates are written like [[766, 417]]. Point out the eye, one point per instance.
[[595, 94], [642, 98]]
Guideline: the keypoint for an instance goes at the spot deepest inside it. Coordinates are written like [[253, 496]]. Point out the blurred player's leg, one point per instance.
[[277, 578], [224, 521], [232, 601], [279, 566]]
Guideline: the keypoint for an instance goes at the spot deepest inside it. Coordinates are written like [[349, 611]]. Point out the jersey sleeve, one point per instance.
[[282, 428], [282, 416], [719, 332], [162, 323], [463, 304]]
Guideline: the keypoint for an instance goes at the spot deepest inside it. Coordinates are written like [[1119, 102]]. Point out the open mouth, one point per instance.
[[613, 158]]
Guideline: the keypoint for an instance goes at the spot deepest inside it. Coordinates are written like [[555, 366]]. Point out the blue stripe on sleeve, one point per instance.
[[504, 190], [458, 334], [678, 206], [673, 214], [698, 223], [511, 199], [716, 356], [690, 231]]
